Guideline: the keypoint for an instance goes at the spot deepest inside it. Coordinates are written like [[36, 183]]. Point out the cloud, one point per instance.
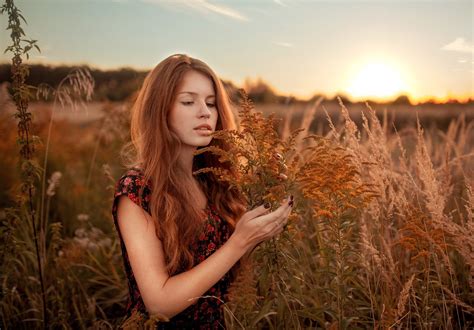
[[281, 3], [202, 6], [219, 9], [283, 44], [459, 45]]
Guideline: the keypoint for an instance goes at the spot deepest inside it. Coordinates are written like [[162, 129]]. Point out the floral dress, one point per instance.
[[207, 312]]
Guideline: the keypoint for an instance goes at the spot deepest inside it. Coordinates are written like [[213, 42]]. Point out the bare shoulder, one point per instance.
[[132, 218], [144, 248]]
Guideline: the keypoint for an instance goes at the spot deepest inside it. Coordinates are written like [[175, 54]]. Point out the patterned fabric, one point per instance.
[[207, 312]]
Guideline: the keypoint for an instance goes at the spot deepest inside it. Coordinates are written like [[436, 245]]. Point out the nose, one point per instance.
[[204, 110]]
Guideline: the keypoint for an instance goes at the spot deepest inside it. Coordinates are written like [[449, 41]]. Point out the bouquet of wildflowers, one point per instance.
[[259, 155], [321, 176]]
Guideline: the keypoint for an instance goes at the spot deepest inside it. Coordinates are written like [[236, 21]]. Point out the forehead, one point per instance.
[[195, 82]]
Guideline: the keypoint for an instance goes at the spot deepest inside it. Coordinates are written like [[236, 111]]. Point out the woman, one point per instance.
[[182, 235]]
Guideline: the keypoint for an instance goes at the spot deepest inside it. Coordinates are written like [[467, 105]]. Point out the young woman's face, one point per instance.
[[194, 106]]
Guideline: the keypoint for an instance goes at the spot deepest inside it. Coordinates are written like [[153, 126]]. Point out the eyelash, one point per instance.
[[212, 105]]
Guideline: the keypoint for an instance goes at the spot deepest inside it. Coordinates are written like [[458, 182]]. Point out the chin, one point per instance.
[[202, 143], [205, 144]]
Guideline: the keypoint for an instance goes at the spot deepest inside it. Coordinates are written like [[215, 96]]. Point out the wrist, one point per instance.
[[238, 243]]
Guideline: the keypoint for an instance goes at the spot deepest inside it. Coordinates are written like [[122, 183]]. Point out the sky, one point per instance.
[[372, 48]]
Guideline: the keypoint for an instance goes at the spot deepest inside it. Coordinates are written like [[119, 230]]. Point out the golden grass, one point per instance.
[[381, 235], [392, 262]]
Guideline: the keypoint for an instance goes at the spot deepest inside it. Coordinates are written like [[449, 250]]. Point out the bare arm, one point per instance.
[[167, 295]]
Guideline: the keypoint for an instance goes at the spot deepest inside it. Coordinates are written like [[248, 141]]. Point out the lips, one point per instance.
[[203, 127]]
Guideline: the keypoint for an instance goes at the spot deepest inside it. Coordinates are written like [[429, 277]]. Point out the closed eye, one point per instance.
[[210, 105]]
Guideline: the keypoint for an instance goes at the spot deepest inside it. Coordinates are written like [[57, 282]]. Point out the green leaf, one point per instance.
[[21, 16]]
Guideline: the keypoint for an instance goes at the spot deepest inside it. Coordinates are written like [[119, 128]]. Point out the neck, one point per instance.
[[186, 158]]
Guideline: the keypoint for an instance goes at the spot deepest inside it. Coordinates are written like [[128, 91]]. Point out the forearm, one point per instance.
[[178, 291]]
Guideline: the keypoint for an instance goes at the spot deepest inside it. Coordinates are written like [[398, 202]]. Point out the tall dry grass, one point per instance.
[[402, 260], [399, 261], [42, 269]]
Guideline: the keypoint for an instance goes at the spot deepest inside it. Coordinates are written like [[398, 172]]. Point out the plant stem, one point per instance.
[[20, 96], [38, 258]]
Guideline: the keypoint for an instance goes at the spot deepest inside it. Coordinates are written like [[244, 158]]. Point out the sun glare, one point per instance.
[[376, 80]]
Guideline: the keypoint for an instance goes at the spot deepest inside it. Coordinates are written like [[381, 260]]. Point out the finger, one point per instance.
[[285, 201], [280, 230], [273, 227], [265, 219], [287, 214], [276, 215], [285, 205], [283, 218], [262, 209], [277, 230]]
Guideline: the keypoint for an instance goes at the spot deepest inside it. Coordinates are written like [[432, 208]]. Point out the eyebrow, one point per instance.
[[192, 93]]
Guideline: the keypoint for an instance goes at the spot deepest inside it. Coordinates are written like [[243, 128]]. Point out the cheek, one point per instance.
[[175, 118], [174, 126]]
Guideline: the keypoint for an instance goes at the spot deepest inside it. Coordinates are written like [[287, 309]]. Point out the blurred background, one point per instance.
[[406, 58]]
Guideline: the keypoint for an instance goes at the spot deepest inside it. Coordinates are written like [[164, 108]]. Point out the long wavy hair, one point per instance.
[[154, 149]]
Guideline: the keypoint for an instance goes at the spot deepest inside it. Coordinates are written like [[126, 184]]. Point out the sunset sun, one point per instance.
[[377, 80]]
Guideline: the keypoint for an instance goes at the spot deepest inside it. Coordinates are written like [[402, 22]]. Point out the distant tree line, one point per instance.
[[112, 85], [121, 84]]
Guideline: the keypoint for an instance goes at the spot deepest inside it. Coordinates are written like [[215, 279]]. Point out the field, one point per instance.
[[381, 234], [403, 258]]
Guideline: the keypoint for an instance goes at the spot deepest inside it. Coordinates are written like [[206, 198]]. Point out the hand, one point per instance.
[[259, 224]]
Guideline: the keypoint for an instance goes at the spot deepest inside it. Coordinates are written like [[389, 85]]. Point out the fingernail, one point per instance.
[[266, 205]]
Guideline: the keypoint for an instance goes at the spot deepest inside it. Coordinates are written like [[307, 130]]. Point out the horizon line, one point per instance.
[[462, 99]]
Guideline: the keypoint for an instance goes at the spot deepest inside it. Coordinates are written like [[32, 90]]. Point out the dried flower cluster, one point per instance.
[[270, 169], [259, 155]]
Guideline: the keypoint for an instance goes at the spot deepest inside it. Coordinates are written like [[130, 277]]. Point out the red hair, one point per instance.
[[155, 149]]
